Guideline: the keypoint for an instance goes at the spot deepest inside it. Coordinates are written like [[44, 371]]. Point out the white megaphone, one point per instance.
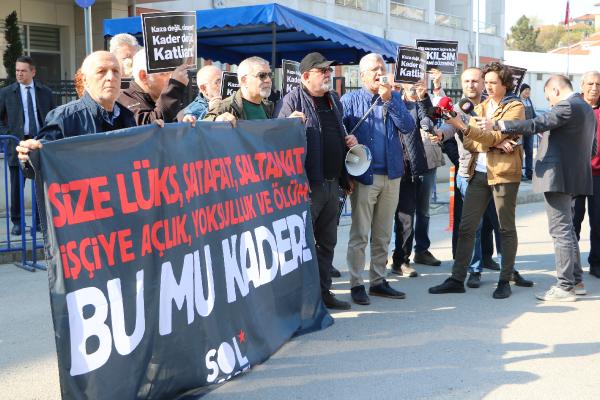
[[358, 160]]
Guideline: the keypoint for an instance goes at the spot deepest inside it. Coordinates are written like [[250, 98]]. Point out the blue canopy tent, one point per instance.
[[270, 31]]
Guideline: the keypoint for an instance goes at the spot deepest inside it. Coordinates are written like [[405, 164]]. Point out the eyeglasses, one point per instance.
[[323, 70], [264, 75]]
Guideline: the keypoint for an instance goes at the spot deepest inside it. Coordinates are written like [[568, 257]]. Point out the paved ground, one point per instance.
[[466, 346]]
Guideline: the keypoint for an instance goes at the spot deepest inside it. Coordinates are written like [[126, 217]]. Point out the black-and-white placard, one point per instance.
[[441, 54], [169, 40], [410, 65], [291, 76], [229, 84], [517, 74]]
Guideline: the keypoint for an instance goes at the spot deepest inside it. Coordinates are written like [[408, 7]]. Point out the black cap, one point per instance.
[[314, 60], [523, 87]]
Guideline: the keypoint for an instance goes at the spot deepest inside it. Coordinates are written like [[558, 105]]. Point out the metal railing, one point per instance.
[[452, 21], [406, 11], [27, 239]]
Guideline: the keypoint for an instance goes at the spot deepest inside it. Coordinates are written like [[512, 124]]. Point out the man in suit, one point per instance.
[[23, 109], [562, 171]]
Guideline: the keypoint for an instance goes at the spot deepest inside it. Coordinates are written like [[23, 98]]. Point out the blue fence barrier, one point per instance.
[[27, 239]]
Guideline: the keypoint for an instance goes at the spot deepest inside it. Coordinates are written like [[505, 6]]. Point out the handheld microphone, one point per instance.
[[427, 125], [447, 107], [467, 107]]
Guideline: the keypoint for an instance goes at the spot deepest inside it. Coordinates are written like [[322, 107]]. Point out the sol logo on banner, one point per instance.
[[226, 358]]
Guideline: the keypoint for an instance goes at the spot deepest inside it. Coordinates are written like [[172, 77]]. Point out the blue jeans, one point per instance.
[[490, 211], [424, 187]]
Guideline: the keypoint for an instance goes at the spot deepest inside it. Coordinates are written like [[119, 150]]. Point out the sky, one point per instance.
[[547, 11]]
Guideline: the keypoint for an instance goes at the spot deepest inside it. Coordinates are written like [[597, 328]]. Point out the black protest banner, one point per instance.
[[518, 74], [182, 262], [229, 84], [169, 40], [441, 54], [291, 76], [410, 65]]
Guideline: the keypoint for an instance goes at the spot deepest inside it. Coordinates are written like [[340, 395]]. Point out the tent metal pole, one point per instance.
[[273, 46]]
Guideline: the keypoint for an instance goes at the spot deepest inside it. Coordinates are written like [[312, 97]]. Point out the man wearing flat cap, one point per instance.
[[327, 145]]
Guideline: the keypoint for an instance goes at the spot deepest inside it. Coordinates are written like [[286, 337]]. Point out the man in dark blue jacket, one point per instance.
[[97, 111], [376, 192], [326, 172]]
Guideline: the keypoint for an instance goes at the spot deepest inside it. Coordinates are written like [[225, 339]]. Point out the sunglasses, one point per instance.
[[264, 75]]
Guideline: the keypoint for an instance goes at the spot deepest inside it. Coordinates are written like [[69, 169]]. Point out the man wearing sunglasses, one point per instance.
[[250, 102], [326, 149]]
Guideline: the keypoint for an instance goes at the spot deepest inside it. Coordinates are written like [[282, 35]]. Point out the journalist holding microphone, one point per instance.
[[495, 172]]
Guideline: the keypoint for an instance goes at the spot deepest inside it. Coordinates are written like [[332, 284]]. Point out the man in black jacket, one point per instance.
[[23, 109], [326, 172], [155, 96]]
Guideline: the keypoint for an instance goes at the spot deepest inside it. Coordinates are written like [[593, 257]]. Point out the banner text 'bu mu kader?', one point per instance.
[[178, 257]]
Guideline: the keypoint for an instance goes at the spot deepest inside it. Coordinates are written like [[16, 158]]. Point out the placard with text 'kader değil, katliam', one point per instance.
[[169, 40], [291, 76], [229, 84], [441, 54], [410, 65]]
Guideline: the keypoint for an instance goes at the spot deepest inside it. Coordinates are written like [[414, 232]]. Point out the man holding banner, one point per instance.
[[326, 173], [97, 111]]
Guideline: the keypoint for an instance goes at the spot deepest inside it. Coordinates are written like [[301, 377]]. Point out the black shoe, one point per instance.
[[520, 281], [525, 178], [334, 272], [16, 230], [426, 258], [474, 280], [595, 272], [333, 303], [489, 263], [359, 295], [385, 290], [38, 228], [450, 285], [502, 291], [404, 269]]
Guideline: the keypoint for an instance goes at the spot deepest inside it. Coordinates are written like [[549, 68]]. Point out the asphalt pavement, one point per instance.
[[459, 346]]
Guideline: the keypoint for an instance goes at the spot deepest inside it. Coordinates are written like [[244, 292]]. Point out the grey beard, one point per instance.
[[264, 93]]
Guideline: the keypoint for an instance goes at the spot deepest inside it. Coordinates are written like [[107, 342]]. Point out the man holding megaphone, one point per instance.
[[376, 191], [327, 145]]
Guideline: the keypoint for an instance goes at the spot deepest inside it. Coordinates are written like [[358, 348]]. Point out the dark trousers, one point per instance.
[[424, 188], [594, 217], [404, 220], [490, 230], [15, 196], [566, 248], [324, 206], [478, 195], [528, 147]]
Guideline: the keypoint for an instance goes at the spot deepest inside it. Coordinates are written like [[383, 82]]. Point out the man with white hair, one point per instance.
[[124, 46], [97, 111], [590, 91], [154, 96], [250, 101], [209, 80], [376, 192]]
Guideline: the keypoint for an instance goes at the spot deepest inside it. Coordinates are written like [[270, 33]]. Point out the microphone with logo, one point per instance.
[[467, 107], [444, 110]]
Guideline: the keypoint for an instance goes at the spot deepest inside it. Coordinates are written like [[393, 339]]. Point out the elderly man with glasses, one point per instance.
[[250, 102]]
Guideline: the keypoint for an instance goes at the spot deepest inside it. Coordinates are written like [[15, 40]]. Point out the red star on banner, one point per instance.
[[242, 336]]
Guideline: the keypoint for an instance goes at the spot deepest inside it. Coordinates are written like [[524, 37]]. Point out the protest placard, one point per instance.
[[441, 54], [410, 65], [291, 76], [229, 84], [169, 40]]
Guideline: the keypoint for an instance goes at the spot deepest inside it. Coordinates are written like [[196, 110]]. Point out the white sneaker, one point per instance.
[[579, 289], [556, 294]]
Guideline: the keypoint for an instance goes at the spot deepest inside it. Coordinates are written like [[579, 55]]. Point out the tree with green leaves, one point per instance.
[[523, 36], [14, 46]]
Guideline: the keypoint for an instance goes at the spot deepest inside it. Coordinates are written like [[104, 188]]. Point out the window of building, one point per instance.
[[367, 5], [539, 77], [404, 9]]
